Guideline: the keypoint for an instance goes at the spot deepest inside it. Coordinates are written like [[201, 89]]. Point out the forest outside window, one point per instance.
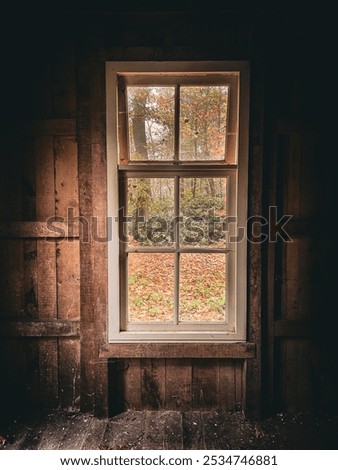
[[177, 178]]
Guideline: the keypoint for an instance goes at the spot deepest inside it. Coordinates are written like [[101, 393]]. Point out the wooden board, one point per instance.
[[153, 384], [136, 384], [46, 271], [178, 384], [205, 384], [227, 385], [131, 370]]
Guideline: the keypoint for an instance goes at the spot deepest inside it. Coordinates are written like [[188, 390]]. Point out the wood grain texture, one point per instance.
[[153, 384], [46, 328], [69, 373], [88, 345], [131, 369], [180, 350], [255, 206], [178, 384], [52, 229], [68, 279], [205, 384], [99, 229]]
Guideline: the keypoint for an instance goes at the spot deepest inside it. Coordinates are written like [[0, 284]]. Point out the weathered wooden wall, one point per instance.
[[40, 276], [299, 327], [176, 384], [54, 292]]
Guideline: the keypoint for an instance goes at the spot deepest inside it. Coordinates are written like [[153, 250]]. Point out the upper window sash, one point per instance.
[[179, 85]]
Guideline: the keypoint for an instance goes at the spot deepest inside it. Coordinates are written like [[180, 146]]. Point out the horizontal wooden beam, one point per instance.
[[38, 230], [38, 329], [42, 127], [293, 329], [179, 350]]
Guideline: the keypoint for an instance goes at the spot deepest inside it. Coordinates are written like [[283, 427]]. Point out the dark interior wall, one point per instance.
[[51, 79]]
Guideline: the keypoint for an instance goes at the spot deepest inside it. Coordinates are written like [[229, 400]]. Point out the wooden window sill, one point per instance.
[[240, 350]]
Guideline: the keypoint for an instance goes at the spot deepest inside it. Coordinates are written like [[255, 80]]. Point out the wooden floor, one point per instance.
[[168, 430]]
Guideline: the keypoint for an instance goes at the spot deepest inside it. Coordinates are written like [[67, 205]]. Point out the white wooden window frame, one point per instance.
[[235, 328]]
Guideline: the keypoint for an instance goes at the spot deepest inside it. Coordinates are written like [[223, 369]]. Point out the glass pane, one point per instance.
[[150, 287], [203, 122], [202, 287], [203, 210], [151, 123], [150, 211]]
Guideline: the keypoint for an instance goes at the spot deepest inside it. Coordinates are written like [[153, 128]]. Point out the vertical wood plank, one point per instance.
[[67, 263], [30, 285], [45, 208], [178, 380], [46, 279], [44, 178], [153, 384], [48, 373], [83, 74], [30, 279], [46, 270], [290, 290], [68, 279], [255, 184], [99, 166], [238, 386], [69, 373], [132, 384], [32, 372], [205, 386], [28, 180], [66, 176], [227, 392]]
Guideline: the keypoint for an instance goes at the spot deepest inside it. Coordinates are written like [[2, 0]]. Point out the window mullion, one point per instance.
[[177, 255], [177, 123], [123, 253], [123, 121]]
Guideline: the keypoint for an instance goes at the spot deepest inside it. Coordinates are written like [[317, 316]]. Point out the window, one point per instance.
[[177, 138]]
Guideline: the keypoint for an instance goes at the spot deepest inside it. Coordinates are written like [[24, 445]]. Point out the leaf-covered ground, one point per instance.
[[151, 287]]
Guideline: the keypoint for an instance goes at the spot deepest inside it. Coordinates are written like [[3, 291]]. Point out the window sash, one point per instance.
[[230, 79], [229, 250]]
